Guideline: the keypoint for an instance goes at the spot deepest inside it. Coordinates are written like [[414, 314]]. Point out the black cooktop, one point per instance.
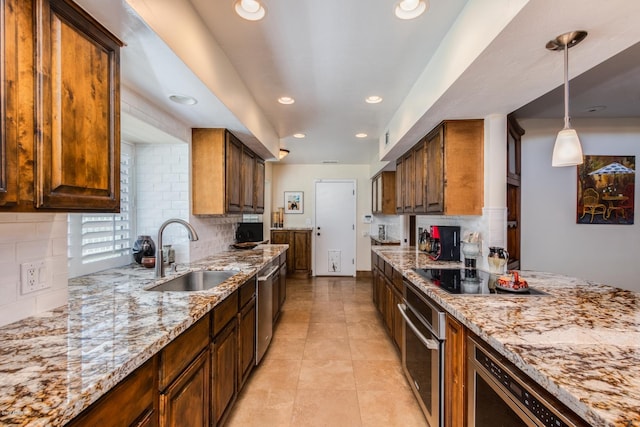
[[467, 282]]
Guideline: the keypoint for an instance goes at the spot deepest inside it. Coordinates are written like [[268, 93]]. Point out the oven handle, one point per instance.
[[430, 344]]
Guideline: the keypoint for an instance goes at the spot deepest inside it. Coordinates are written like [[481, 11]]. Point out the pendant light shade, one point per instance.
[[283, 153], [567, 150]]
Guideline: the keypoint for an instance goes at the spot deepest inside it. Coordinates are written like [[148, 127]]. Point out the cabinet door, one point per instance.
[[258, 186], [77, 110], [281, 238], [8, 104], [282, 284], [246, 341], [399, 186], [397, 320], [302, 246], [234, 173], [435, 171], [454, 373], [275, 297], [224, 371], [247, 179], [186, 400], [419, 174], [408, 173]]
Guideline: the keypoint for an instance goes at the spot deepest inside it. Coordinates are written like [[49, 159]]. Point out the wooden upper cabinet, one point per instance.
[[383, 193], [435, 171], [399, 186], [8, 104], [77, 110], [234, 163], [226, 176], [408, 173]]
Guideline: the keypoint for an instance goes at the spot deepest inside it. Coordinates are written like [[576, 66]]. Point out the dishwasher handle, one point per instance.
[[430, 344], [267, 276]]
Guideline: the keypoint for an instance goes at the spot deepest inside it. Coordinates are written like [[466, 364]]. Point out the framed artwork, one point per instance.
[[606, 190], [293, 202]]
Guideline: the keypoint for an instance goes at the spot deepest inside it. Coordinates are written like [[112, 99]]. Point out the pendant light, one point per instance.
[[283, 153], [567, 150]]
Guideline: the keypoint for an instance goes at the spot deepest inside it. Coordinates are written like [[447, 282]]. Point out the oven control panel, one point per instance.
[[537, 408]]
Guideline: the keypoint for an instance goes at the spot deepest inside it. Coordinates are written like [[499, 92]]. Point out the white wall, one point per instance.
[[302, 177], [551, 239], [32, 237]]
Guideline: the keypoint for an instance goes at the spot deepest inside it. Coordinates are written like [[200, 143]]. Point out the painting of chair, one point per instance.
[[591, 204], [627, 205]]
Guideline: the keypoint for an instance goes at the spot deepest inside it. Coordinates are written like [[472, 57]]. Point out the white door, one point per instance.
[[335, 228]]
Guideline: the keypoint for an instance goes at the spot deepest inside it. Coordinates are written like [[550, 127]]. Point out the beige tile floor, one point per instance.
[[330, 363]]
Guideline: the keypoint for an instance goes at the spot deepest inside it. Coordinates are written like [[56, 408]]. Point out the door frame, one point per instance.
[[355, 216]]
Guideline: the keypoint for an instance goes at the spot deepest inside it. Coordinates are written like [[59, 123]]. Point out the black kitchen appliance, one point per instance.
[[445, 243], [249, 232]]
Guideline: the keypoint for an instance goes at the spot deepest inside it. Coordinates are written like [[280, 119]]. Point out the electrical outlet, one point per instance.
[[33, 277]]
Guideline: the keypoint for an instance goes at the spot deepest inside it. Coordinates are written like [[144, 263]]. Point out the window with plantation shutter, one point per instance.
[[100, 241]]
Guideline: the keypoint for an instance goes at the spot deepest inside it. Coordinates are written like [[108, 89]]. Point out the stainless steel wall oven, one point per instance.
[[423, 334]]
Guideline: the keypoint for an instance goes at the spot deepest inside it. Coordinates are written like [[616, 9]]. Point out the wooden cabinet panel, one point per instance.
[[186, 400], [234, 174], [176, 356], [408, 173], [248, 176], [454, 373], [246, 341], [77, 109], [258, 185], [224, 312], [280, 237], [224, 372], [397, 319], [275, 297], [129, 403], [419, 178], [400, 187], [435, 171]]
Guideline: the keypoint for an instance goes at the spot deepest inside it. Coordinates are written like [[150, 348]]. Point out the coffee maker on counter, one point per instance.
[[444, 243]]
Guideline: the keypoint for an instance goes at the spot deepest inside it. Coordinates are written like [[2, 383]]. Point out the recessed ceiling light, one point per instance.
[[183, 99], [373, 99], [286, 100], [251, 10], [410, 9], [361, 135], [299, 135], [595, 109]]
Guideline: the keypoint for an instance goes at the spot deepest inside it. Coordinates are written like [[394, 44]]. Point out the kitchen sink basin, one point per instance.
[[195, 281]]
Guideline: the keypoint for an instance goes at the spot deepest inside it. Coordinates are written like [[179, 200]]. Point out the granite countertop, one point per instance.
[[387, 241], [581, 342], [291, 228], [54, 365]]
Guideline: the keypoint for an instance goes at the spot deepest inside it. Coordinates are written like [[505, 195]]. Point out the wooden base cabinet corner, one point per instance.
[[246, 332], [299, 253], [224, 356], [455, 373]]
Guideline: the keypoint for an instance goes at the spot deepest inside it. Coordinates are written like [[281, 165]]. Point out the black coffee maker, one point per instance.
[[445, 243]]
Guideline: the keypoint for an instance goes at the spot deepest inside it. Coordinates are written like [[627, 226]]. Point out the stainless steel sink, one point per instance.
[[195, 281]]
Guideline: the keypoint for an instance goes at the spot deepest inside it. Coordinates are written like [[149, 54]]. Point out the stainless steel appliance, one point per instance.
[[497, 396], [264, 319], [444, 243], [423, 334]]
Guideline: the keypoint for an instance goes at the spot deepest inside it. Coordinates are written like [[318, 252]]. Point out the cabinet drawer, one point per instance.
[[132, 399], [247, 291], [224, 312], [180, 352]]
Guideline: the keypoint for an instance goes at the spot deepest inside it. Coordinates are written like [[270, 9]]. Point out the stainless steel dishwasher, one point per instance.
[[264, 319]]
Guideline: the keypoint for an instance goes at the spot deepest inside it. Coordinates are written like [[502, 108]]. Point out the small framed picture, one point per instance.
[[293, 202]]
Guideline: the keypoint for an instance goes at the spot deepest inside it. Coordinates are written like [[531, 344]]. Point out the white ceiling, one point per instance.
[[330, 54]]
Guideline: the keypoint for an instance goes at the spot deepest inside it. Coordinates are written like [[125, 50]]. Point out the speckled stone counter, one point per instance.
[[55, 365], [581, 342]]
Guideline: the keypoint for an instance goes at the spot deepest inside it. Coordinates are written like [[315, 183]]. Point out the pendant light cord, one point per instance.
[[566, 86]]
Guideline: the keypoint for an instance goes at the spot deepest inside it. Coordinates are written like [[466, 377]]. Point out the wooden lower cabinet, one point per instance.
[[454, 373], [186, 400], [133, 402], [224, 386], [299, 253]]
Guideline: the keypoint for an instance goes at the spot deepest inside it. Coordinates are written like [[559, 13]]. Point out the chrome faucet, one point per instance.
[[159, 253]]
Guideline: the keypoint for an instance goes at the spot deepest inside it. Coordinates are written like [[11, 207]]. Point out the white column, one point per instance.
[[495, 181]]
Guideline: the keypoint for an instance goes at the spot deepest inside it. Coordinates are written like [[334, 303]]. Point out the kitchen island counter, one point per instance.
[[54, 365], [581, 342]]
